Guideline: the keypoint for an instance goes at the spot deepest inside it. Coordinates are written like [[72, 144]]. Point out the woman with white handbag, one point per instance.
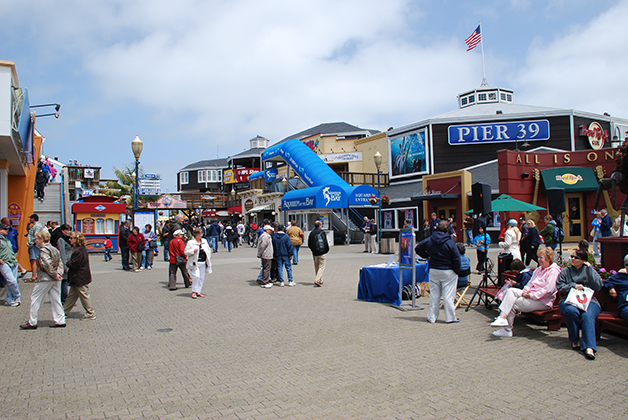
[[576, 283]]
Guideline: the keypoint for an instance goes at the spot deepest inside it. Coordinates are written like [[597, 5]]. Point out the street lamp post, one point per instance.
[[136, 146], [233, 194], [284, 184], [378, 163]]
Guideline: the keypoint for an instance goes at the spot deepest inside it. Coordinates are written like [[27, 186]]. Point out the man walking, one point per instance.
[[33, 250], [282, 246], [265, 253], [317, 242], [366, 227], [606, 223], [214, 234], [296, 236], [8, 268], [125, 232]]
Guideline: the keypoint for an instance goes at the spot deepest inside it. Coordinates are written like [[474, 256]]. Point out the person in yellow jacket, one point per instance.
[[296, 236]]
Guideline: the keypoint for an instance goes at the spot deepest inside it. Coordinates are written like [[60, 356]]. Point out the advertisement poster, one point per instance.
[[405, 248], [409, 216], [388, 219], [408, 154]]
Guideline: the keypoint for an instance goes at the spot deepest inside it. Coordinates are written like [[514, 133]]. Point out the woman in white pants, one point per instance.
[[199, 261], [538, 294], [50, 269]]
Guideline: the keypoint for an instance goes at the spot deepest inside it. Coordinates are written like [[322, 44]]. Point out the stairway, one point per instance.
[[50, 208]]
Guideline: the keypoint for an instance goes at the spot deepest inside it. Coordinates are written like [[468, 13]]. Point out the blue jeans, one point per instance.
[[281, 261], [147, 255], [623, 313], [166, 252], [64, 290], [10, 276], [229, 245], [575, 319], [469, 233], [295, 253], [214, 243], [108, 254], [124, 251]]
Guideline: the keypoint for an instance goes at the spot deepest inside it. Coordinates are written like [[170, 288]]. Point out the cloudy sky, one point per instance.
[[198, 79]]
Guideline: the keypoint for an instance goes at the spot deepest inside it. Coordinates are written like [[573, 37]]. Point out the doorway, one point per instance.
[[574, 220], [446, 212]]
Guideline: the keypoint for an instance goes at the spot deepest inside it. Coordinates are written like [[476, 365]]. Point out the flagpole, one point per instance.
[[484, 81]]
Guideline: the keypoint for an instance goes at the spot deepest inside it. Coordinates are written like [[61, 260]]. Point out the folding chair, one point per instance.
[[461, 289]]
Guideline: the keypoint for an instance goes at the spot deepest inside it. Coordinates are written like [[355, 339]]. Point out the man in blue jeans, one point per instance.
[[214, 234], [282, 245], [8, 268]]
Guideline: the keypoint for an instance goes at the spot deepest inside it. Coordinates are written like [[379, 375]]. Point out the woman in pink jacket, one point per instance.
[[538, 294]]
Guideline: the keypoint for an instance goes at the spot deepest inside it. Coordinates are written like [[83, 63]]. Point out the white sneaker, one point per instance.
[[500, 322], [150, 268], [141, 268], [281, 284], [502, 332], [292, 284], [266, 286], [14, 303]]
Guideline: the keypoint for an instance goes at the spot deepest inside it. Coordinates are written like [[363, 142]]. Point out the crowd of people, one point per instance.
[[532, 289], [60, 269]]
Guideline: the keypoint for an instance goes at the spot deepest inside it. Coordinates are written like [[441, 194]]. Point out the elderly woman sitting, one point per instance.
[[538, 294], [576, 276]]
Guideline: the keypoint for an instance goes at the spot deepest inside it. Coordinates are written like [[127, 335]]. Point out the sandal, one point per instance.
[[200, 295], [589, 354], [193, 295]]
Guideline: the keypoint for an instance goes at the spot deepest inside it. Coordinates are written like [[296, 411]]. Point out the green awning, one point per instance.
[[572, 179]]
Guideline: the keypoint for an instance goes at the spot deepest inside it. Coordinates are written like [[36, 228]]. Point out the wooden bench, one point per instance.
[[552, 317], [608, 319]]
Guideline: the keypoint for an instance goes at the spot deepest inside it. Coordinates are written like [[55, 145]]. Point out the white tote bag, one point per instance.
[[580, 298]]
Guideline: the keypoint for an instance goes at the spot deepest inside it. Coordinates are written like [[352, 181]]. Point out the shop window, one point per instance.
[[100, 227], [492, 96], [184, 178], [88, 226], [201, 176], [109, 227], [481, 97]]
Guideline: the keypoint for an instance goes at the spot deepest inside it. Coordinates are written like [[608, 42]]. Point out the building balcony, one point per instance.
[[358, 178]]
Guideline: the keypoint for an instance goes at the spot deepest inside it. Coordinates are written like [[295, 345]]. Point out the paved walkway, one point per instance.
[[294, 352]]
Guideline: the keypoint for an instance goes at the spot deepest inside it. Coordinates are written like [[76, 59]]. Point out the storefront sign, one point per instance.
[[569, 179], [596, 134], [248, 204], [270, 175], [342, 157], [330, 196], [14, 213], [499, 132], [242, 174], [228, 177]]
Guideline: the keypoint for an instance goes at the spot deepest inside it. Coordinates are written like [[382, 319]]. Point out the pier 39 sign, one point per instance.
[[498, 132]]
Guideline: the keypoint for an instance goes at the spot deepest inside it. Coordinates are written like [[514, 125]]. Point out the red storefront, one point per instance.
[[526, 176]]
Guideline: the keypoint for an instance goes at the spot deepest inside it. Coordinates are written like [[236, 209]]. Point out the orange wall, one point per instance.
[[21, 191]]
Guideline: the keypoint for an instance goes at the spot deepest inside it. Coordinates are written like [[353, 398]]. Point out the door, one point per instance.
[[574, 223], [446, 212]]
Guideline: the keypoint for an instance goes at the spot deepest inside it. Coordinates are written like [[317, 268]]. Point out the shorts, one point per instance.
[[33, 252]]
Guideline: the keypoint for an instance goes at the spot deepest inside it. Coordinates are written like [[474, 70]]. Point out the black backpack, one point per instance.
[[320, 243]]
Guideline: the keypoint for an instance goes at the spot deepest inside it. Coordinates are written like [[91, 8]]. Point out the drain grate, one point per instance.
[[164, 330]]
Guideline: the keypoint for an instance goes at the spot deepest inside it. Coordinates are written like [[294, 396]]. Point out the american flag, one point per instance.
[[474, 39]]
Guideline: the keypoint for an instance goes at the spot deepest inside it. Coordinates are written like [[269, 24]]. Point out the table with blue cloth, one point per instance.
[[381, 283]]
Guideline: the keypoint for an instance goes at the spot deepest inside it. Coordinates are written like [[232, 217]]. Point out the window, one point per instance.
[[100, 226], [481, 96], [219, 172], [201, 176], [464, 101], [88, 226], [509, 98], [183, 177], [211, 176], [502, 96], [492, 96], [471, 99], [109, 230]]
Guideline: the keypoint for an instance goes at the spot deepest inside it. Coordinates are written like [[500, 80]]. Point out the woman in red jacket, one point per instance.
[[136, 243], [177, 260]]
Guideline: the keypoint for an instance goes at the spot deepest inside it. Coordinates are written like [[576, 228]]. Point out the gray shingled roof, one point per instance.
[[330, 128], [254, 152], [207, 164]]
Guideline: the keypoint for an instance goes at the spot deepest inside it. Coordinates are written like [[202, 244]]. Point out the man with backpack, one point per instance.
[[317, 242]]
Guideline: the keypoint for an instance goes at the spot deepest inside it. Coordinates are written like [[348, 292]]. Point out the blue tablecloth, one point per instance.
[[381, 284]]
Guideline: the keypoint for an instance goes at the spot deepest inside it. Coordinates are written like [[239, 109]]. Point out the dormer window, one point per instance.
[[509, 98], [471, 99], [464, 101], [482, 97], [492, 96]]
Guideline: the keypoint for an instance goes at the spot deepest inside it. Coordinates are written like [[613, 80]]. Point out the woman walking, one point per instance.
[[177, 260], [199, 261], [50, 269], [79, 277], [136, 243]]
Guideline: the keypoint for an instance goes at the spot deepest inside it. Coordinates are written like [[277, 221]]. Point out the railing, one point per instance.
[[357, 178], [208, 200]]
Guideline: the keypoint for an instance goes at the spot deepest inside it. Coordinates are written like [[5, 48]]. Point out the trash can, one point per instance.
[[388, 246]]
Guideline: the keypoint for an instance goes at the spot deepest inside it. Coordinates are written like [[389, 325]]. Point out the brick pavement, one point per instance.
[[300, 352]]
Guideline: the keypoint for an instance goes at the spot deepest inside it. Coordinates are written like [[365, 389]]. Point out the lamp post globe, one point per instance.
[[233, 194], [377, 159]]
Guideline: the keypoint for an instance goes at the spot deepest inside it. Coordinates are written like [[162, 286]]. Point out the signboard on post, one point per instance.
[[150, 185], [406, 262]]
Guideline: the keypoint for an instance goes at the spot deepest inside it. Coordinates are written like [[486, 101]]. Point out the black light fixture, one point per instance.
[[525, 175]]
